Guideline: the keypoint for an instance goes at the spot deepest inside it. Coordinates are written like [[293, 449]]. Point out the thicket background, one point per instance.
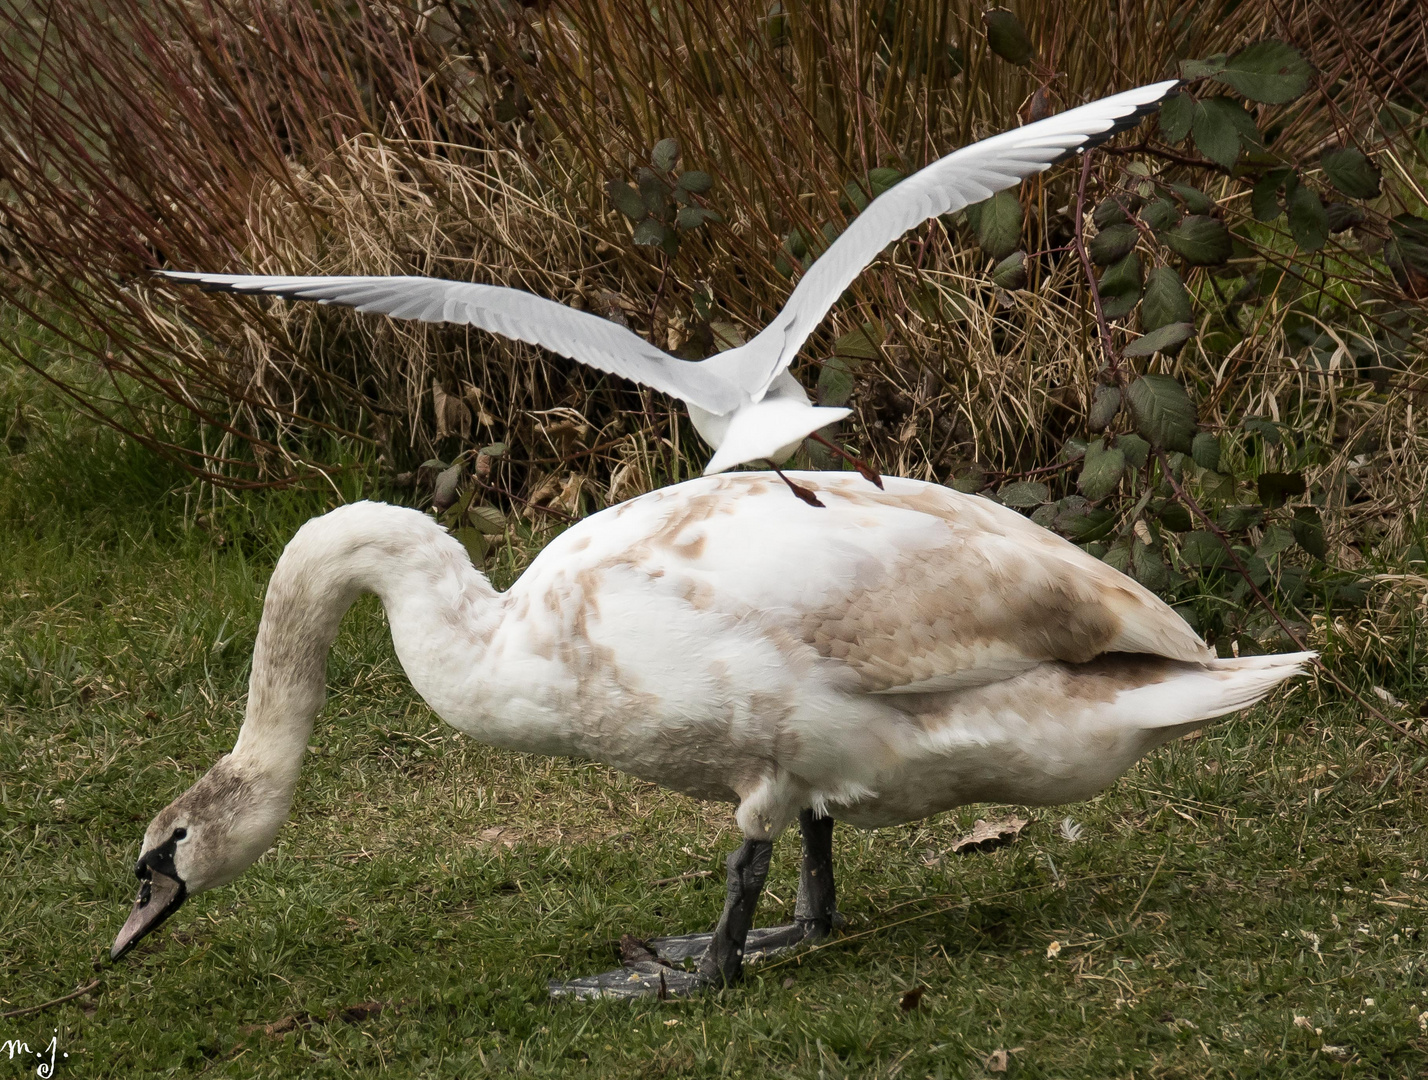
[[1277, 208]]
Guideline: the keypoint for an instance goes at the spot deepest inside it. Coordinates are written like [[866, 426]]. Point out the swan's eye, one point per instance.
[[180, 833]]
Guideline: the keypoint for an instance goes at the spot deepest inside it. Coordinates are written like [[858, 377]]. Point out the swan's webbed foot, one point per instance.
[[654, 968]]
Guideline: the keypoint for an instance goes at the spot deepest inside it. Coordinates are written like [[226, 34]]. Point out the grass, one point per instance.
[[1268, 870]]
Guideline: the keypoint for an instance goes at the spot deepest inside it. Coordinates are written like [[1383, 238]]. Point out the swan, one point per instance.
[[896, 654], [743, 401]]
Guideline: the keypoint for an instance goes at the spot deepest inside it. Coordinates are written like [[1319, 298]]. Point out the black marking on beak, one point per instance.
[[161, 891]]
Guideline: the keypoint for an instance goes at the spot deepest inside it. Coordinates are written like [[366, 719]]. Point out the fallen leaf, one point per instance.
[[1338, 1053], [986, 836], [997, 1061], [1053, 950], [1304, 1022], [912, 999]]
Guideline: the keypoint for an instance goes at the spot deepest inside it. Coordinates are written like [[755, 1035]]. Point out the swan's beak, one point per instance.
[[159, 897]]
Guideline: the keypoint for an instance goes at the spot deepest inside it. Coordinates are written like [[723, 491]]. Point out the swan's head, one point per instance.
[[205, 838]]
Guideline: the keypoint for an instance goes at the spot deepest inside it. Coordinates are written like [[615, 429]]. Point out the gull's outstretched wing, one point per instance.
[[963, 177], [511, 313]]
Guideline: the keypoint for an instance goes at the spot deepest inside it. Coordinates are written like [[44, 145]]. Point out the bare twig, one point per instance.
[[57, 1001]]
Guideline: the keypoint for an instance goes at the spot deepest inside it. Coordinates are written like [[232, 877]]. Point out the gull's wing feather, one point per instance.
[[961, 178], [511, 313]]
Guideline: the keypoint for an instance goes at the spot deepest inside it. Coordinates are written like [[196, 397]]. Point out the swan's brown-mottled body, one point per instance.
[[892, 655]]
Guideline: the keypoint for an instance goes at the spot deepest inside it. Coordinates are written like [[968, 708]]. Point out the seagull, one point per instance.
[[743, 401]]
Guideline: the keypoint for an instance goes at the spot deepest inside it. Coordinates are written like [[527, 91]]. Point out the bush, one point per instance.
[[1260, 254]]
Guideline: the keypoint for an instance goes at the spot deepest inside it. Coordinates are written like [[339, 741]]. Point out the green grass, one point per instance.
[[1267, 870]]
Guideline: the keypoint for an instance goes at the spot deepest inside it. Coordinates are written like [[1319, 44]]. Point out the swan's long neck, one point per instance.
[[438, 605]]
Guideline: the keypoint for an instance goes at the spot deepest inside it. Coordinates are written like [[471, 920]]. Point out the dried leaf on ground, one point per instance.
[[990, 835]]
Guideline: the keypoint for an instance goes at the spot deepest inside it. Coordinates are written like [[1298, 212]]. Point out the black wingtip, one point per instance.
[[1126, 122]]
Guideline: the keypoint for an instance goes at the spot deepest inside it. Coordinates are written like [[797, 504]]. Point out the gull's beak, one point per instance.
[[159, 897]]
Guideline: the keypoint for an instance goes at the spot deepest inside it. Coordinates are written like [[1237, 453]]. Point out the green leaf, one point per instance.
[[1174, 517], [862, 343], [650, 233], [1148, 568], [1196, 201], [626, 200], [1160, 214], [1176, 116], [447, 481], [1073, 449], [696, 181], [1007, 37], [1270, 72], [1163, 411], [487, 519], [1205, 449], [1200, 241], [1199, 69], [1010, 273], [1410, 234], [1308, 223], [1308, 530], [1024, 495], [1342, 215], [776, 25], [1166, 300], [880, 180], [1276, 539], [474, 543], [691, 217], [1202, 548], [998, 224], [835, 381], [1118, 557], [1351, 172], [1120, 286], [1112, 244], [1105, 406], [1268, 430], [1159, 340], [493, 450], [1216, 134], [1264, 199], [654, 192], [1276, 487], [1085, 524], [1101, 471], [1109, 212], [1136, 449], [664, 155]]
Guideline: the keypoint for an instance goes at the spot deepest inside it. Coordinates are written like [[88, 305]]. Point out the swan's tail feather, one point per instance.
[[1213, 688]]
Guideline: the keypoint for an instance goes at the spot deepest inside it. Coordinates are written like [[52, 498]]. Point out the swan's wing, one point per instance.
[[511, 313], [915, 589], [963, 177]]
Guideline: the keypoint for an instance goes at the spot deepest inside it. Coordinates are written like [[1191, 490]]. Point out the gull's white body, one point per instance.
[[896, 654], [728, 394]]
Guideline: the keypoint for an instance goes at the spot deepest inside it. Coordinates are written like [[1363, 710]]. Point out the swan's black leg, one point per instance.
[[747, 869], [651, 967], [816, 910]]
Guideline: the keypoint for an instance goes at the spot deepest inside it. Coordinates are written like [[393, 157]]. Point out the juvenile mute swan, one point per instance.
[[743, 401], [894, 655]]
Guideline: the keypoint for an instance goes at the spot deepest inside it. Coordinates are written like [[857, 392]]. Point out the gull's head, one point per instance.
[[205, 838]]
